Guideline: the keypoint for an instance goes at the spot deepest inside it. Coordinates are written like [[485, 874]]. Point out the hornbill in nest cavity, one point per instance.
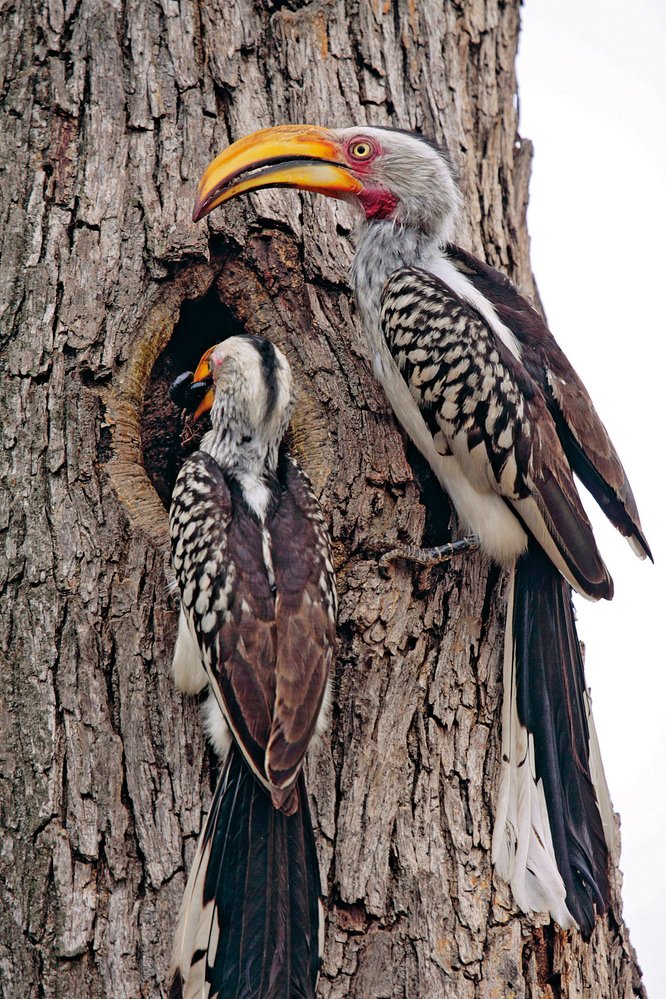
[[480, 385], [252, 558]]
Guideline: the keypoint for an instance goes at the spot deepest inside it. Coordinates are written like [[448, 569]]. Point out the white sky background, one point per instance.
[[592, 87]]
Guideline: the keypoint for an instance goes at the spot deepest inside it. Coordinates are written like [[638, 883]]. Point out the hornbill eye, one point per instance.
[[361, 150]]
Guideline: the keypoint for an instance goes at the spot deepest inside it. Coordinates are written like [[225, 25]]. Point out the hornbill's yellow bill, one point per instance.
[[203, 374], [298, 156]]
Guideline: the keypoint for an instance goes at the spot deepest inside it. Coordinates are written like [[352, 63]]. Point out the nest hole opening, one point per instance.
[[202, 322]]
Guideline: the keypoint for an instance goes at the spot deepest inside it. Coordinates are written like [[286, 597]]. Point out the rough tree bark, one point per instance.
[[112, 110]]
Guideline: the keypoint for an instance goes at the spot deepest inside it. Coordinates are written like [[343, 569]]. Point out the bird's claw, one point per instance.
[[428, 557]]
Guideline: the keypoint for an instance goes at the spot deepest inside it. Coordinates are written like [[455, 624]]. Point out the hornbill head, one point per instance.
[[391, 175], [247, 386]]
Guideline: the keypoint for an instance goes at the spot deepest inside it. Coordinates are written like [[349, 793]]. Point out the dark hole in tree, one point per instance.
[[203, 322]]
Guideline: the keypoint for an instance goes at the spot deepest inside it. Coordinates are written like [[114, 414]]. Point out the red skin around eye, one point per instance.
[[377, 203], [362, 165]]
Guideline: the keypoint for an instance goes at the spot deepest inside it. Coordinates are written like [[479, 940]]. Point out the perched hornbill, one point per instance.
[[480, 385], [252, 558]]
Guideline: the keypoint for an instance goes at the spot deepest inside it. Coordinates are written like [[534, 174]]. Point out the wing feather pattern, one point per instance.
[[583, 435], [227, 600], [483, 407], [305, 611]]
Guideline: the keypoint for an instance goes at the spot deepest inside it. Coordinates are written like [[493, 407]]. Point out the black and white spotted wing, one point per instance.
[[484, 410]]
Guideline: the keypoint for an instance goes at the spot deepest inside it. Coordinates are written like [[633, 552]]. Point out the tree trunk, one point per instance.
[[112, 111]]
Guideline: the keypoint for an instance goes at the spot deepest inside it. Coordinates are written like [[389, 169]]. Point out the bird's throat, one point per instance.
[[378, 204], [383, 248]]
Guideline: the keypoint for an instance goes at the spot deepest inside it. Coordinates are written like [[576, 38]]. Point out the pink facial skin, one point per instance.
[[360, 164], [377, 203]]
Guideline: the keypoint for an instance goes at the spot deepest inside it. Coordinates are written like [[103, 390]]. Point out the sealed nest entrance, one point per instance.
[[202, 323]]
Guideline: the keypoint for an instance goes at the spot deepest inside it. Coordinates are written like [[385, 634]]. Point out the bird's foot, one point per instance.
[[429, 557]]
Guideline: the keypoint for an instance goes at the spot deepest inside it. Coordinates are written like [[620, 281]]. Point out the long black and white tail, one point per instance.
[[554, 825], [250, 920]]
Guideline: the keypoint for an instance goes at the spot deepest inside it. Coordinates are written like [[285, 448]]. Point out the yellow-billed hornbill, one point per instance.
[[252, 558], [478, 382]]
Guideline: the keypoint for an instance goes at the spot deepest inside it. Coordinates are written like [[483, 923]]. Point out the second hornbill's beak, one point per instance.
[[203, 376], [300, 156], [195, 393]]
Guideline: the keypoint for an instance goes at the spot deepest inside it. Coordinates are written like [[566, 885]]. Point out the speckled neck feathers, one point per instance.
[[383, 248]]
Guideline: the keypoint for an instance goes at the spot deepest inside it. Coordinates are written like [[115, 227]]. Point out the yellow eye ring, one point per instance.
[[361, 150]]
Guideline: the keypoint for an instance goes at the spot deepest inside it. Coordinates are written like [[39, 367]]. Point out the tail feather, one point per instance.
[[550, 842], [599, 780], [249, 923]]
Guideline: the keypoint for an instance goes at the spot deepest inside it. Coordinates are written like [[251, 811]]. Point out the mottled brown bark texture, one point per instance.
[[111, 111]]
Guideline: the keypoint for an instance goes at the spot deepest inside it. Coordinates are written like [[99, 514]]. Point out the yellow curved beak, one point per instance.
[[201, 374], [299, 156]]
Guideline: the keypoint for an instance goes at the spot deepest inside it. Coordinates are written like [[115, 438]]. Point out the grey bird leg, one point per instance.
[[430, 556]]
